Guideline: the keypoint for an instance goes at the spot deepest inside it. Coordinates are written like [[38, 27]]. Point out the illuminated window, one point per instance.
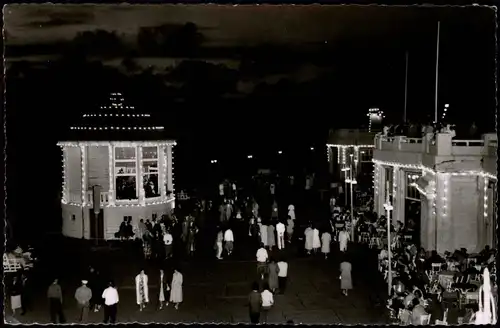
[[126, 173], [150, 172]]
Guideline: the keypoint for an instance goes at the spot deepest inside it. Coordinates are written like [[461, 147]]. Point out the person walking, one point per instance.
[[255, 303], [26, 291], [326, 239], [218, 245], [273, 271], [309, 234], [83, 295], [343, 239], [164, 289], [54, 294], [282, 275], [263, 234], [228, 241], [141, 290], [280, 233], [291, 212], [15, 295], [289, 229], [262, 257], [168, 241], [111, 299], [176, 289], [316, 240], [267, 303], [271, 237], [345, 276]]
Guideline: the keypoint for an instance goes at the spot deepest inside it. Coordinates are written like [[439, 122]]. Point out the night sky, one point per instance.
[[236, 79]]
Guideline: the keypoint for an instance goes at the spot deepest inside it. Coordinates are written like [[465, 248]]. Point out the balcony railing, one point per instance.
[[104, 197], [483, 147]]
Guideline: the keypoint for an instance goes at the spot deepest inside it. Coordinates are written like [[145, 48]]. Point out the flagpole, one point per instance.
[[406, 86], [437, 75]]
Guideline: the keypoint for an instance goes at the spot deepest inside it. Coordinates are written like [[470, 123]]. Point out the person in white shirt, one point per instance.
[[221, 189], [267, 303], [262, 257], [272, 188], [289, 229], [111, 299], [263, 234], [316, 240], [167, 241], [282, 275], [218, 244], [280, 231], [228, 241]]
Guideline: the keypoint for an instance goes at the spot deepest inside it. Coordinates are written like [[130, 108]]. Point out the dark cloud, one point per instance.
[[58, 19]]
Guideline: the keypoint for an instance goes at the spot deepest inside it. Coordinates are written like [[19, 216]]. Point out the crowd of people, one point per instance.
[[431, 288]]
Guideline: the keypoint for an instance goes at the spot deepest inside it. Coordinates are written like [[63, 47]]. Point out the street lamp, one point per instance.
[[249, 156], [388, 208], [352, 182], [345, 169]]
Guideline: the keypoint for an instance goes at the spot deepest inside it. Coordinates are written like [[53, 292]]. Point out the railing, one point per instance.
[[411, 140], [467, 143], [104, 197]]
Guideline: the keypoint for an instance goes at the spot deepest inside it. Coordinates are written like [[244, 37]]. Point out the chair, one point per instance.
[[471, 297], [425, 319], [436, 267]]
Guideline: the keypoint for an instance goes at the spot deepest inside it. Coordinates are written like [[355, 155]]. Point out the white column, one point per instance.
[[170, 182], [83, 168], [395, 197], [139, 174], [162, 168], [381, 190], [111, 169]]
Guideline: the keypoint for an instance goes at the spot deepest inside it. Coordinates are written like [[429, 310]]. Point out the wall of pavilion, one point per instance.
[[451, 182]]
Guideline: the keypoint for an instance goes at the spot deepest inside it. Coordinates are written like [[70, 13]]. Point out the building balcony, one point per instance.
[[442, 145]]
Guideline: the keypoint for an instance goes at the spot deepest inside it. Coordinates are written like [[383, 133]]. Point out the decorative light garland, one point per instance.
[[84, 174], [376, 169], [115, 114], [356, 154], [327, 153], [111, 196], [140, 185], [431, 171], [165, 173], [153, 143], [485, 201], [444, 197], [64, 177], [172, 168], [344, 155], [117, 128], [121, 204], [350, 146]]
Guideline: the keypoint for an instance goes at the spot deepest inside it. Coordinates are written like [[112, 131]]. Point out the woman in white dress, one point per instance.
[[345, 276], [176, 289], [263, 234], [316, 240], [326, 239], [291, 212], [141, 290], [309, 239], [164, 289]]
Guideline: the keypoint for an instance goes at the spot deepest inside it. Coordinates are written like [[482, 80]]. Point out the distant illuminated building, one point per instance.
[[375, 116]]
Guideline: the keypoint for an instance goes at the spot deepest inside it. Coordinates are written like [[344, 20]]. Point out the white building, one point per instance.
[[118, 165], [446, 186]]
